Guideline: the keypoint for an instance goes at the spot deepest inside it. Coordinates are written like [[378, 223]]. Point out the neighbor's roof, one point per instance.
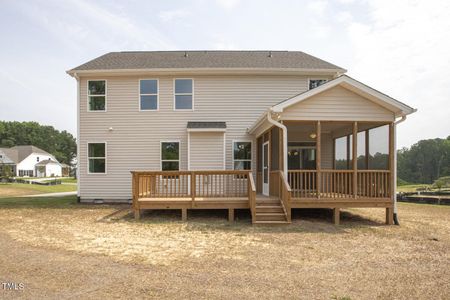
[[19, 153], [142, 60], [201, 125], [46, 162], [8, 156]]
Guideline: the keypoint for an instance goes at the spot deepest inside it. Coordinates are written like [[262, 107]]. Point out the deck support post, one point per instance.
[[318, 157], [231, 215], [389, 216], [355, 159], [137, 213], [184, 214], [336, 215]]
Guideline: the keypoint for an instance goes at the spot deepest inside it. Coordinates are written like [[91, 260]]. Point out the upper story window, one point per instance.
[[313, 83], [96, 158], [170, 156], [148, 89], [97, 95], [242, 155], [184, 95]]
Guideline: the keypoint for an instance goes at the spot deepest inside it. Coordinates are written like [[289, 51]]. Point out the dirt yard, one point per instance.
[[62, 250]]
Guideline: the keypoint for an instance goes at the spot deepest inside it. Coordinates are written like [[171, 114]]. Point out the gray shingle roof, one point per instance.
[[7, 156], [25, 150], [202, 125], [46, 162], [205, 59]]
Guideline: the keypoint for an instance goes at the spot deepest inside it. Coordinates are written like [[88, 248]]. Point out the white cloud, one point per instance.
[[228, 4], [169, 15], [318, 7], [405, 53], [344, 16]]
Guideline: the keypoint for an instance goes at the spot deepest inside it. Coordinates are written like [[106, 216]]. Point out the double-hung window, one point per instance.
[[184, 94], [242, 155], [97, 157], [97, 95], [148, 90], [313, 83], [170, 156]]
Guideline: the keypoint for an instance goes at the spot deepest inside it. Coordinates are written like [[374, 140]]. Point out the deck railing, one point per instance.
[[285, 195], [194, 185], [339, 184]]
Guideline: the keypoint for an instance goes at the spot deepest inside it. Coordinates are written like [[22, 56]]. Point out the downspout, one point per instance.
[[285, 140], [75, 75], [396, 222]]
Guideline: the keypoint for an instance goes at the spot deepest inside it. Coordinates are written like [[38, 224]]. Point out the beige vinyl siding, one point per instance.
[[134, 141], [337, 104], [206, 151]]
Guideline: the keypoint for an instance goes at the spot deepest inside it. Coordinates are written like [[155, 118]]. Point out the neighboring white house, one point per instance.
[[31, 161]]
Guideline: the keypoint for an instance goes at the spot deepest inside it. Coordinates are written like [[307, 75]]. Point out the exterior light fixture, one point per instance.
[[312, 135]]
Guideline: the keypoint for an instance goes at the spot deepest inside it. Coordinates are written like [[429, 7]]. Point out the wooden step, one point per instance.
[[268, 202], [269, 216], [270, 223], [269, 209]]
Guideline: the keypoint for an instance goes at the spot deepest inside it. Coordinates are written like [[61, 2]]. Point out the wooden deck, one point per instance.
[[232, 190]]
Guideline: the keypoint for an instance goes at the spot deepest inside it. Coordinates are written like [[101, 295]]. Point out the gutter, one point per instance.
[[285, 140], [396, 222], [75, 75]]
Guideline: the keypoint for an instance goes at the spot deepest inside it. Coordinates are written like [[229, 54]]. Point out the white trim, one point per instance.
[[78, 133], [224, 150], [189, 151], [160, 153], [173, 71], [106, 157], [316, 78], [157, 94], [353, 85], [251, 153], [183, 94], [268, 168], [105, 95], [206, 129]]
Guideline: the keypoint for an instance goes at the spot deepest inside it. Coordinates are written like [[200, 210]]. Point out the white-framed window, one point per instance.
[[242, 155], [148, 94], [96, 158], [170, 156], [96, 95], [183, 94], [313, 83]]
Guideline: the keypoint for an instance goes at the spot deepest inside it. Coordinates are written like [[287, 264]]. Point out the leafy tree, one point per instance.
[[425, 161], [59, 143]]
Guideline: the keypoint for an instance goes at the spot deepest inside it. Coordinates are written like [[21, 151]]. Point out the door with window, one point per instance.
[[265, 168]]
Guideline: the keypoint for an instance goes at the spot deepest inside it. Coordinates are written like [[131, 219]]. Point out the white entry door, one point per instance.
[[265, 168]]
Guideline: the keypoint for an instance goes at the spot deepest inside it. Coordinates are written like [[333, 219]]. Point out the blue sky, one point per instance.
[[399, 47]]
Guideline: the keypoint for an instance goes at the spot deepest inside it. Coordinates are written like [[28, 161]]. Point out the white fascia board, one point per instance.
[[206, 129], [178, 71]]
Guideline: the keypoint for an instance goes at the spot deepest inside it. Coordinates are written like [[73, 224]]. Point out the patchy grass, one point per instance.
[[21, 189], [412, 187], [55, 246]]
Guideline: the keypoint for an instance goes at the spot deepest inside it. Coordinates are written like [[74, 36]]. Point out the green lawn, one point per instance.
[[38, 202], [412, 187], [20, 189]]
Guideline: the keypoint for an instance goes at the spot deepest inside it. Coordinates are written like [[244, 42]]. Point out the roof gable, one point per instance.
[[354, 86]]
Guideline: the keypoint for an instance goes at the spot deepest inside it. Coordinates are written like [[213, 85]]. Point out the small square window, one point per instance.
[[313, 83]]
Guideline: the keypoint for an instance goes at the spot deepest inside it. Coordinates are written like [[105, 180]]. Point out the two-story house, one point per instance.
[[261, 130]]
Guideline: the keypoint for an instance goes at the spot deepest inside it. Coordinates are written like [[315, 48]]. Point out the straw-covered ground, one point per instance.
[[62, 250]]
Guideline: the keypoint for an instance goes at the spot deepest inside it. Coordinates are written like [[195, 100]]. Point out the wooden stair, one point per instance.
[[269, 211]]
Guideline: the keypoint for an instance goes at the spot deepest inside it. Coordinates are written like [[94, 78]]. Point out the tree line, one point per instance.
[[60, 144]]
